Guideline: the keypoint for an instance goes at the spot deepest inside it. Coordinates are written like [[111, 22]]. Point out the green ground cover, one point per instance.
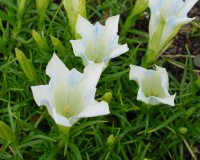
[[133, 130]]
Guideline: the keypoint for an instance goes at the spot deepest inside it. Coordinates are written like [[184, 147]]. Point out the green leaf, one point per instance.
[[6, 133], [165, 123]]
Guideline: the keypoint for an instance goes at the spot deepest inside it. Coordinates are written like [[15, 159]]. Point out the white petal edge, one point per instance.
[[42, 96], [55, 67], [152, 100], [60, 120], [154, 4], [119, 50], [156, 100], [172, 26], [92, 73], [188, 4], [141, 96], [78, 47], [136, 72], [96, 109], [164, 76], [153, 24], [112, 23], [83, 26]]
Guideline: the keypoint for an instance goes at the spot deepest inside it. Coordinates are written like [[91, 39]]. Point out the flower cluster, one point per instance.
[[70, 94]]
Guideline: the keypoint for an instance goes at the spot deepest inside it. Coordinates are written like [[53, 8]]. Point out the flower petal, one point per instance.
[[170, 7], [42, 96], [112, 24], [154, 21], [60, 120], [156, 100], [141, 96], [55, 67], [84, 27], [152, 100], [172, 26], [62, 90], [96, 109], [163, 73], [78, 47], [188, 4], [154, 4], [136, 73], [83, 93], [92, 73], [118, 50]]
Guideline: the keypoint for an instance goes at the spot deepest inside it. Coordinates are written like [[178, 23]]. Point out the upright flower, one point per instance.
[[167, 17], [99, 43], [70, 94], [153, 85]]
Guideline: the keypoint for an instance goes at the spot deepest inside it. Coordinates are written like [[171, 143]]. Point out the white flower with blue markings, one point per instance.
[[69, 95], [167, 17], [153, 85], [99, 43]]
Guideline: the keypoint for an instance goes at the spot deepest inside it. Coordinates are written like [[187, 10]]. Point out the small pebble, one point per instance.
[[197, 60]]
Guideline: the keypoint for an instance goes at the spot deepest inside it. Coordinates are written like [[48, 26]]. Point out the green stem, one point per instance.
[[130, 21], [62, 143], [148, 59]]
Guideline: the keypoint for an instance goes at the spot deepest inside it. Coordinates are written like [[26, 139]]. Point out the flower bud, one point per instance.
[[21, 7], [58, 45], [183, 130], [139, 7], [107, 97], [26, 65], [110, 140], [73, 9], [41, 5], [41, 43]]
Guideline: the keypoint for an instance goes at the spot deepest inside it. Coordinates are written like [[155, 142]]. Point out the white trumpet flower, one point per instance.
[[167, 17], [99, 43], [153, 85], [69, 95]]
